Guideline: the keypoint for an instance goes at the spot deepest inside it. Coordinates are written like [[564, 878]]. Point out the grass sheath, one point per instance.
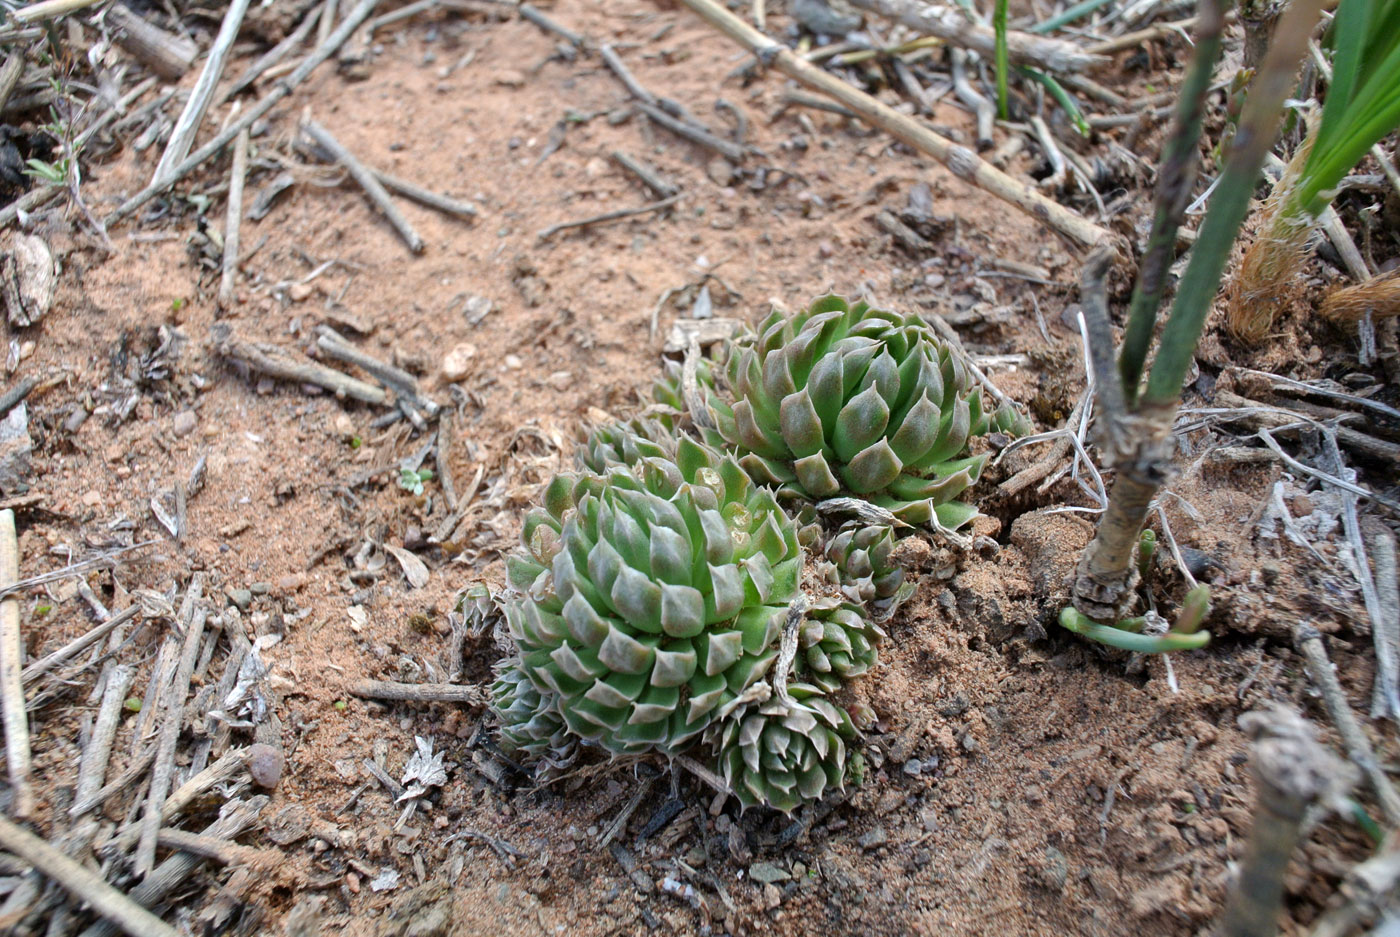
[[1137, 428]]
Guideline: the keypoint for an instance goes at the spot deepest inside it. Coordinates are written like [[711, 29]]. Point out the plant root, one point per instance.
[[1379, 297]]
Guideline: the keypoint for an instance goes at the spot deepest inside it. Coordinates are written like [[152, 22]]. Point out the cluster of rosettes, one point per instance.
[[656, 597]]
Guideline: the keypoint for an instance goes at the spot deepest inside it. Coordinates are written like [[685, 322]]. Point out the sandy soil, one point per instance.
[[1020, 783]]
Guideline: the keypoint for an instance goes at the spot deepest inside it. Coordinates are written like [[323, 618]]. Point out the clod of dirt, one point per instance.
[[183, 423], [426, 911], [1051, 544], [30, 279], [265, 763]]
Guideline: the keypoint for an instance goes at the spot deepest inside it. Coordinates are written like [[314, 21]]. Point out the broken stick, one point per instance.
[[233, 219], [554, 229], [963, 162], [187, 125], [366, 178], [84, 884], [271, 363], [419, 692], [255, 113], [11, 684], [192, 618]]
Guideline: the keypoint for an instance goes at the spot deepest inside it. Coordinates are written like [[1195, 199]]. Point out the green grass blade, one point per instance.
[[1349, 38], [1175, 177], [1373, 112], [1258, 127], [1061, 96], [999, 26], [1068, 16]]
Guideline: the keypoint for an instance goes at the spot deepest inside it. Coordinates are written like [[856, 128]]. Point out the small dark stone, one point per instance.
[[265, 763], [873, 839]]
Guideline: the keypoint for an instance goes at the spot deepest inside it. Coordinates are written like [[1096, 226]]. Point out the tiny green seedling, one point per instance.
[[55, 173], [132, 704], [42, 610], [411, 480]]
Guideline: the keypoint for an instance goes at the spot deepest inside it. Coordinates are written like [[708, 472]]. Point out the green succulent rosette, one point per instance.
[[531, 729], [625, 444], [862, 557], [653, 596], [784, 751], [843, 399], [836, 643]]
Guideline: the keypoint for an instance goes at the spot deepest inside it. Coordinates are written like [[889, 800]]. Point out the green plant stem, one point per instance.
[[1068, 16], [999, 26], [1258, 126], [1061, 96], [1131, 641], [1174, 183]]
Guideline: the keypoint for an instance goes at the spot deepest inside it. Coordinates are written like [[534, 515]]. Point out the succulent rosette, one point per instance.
[[843, 399], [531, 728], [836, 643], [785, 750], [626, 443], [652, 596], [862, 557]]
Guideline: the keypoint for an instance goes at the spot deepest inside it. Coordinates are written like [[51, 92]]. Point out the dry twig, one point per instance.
[[255, 113], [271, 362], [11, 682], [1324, 674], [953, 27], [963, 162], [470, 694], [187, 125], [233, 220], [192, 617], [84, 884], [620, 213], [366, 178]]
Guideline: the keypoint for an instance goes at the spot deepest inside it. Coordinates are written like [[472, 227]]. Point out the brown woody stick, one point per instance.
[[366, 178], [233, 220], [963, 162], [82, 883], [953, 27], [11, 683], [283, 88]]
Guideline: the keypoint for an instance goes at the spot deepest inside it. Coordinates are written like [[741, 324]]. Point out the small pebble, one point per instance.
[[92, 499], [913, 767], [875, 838], [513, 362], [265, 764], [720, 171], [184, 423], [299, 292], [767, 872], [457, 362]]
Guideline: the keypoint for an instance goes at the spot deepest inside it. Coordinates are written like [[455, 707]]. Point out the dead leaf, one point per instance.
[[414, 569]]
